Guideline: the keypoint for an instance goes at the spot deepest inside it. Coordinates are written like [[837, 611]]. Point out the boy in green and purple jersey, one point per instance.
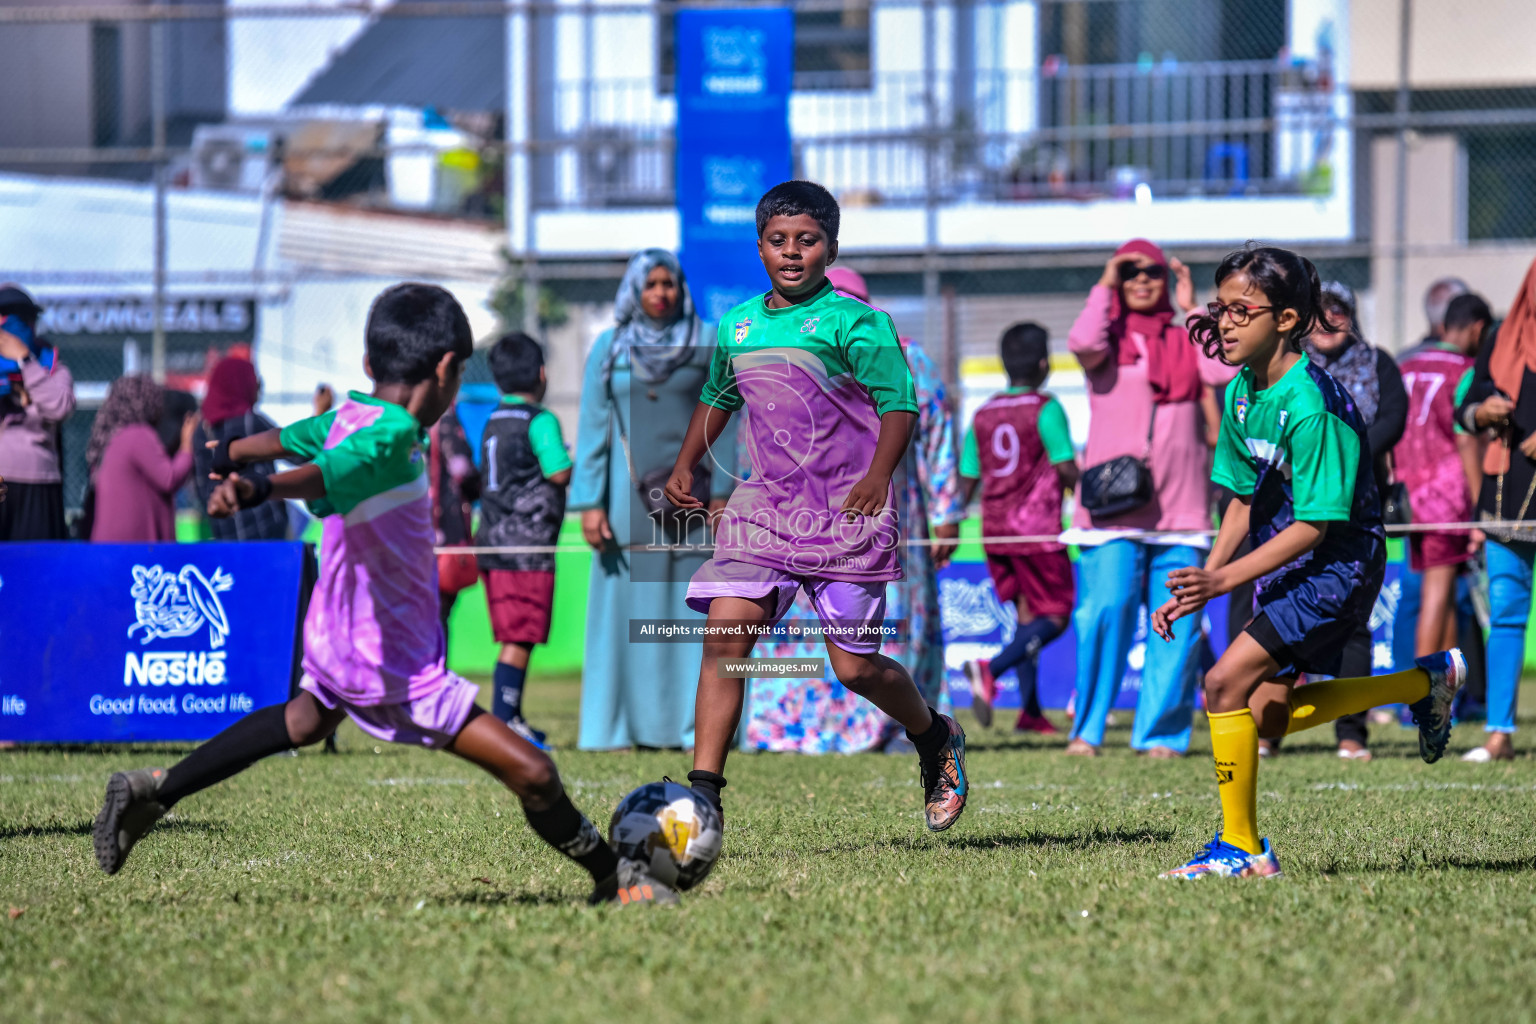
[[831, 408], [373, 641]]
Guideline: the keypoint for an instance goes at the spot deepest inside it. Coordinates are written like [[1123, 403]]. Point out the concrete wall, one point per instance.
[[50, 97], [1455, 43], [1435, 235]]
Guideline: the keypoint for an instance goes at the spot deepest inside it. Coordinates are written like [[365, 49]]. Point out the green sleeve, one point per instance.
[[720, 389], [1462, 387], [970, 457], [548, 444], [370, 461], [1055, 435], [1324, 453], [874, 354], [1232, 467], [306, 438]]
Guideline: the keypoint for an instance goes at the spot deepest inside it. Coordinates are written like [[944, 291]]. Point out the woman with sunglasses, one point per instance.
[[1151, 397]]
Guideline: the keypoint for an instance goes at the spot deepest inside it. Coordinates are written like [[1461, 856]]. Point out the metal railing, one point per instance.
[[1215, 128]]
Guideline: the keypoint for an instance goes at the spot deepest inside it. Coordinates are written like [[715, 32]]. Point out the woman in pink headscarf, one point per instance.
[[229, 410], [1151, 396]]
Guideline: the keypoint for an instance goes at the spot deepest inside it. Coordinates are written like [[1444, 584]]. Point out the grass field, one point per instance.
[[394, 884]]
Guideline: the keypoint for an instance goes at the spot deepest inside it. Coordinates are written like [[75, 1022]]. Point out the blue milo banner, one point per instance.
[[977, 625], [113, 643], [733, 80]]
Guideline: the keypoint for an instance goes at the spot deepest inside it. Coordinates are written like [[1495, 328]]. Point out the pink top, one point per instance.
[[1427, 459], [373, 633], [29, 453], [135, 487], [1120, 408]]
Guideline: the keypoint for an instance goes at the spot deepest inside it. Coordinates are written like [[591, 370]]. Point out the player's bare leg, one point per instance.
[[883, 682], [717, 707], [528, 772], [1436, 629]]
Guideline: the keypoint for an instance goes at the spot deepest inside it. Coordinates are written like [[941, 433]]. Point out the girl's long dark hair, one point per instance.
[[1287, 279]]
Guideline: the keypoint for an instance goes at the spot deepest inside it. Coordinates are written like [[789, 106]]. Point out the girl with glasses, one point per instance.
[[1294, 453]]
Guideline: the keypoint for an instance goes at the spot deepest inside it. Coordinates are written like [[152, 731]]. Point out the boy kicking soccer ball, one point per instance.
[[373, 642], [1293, 452], [831, 408]]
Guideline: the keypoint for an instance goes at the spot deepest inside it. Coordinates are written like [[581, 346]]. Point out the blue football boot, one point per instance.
[[1224, 860]]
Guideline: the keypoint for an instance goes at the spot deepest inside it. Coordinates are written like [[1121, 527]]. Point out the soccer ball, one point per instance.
[[672, 833]]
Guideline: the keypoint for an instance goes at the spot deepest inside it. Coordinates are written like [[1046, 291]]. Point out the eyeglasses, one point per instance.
[[1129, 272], [1238, 313]]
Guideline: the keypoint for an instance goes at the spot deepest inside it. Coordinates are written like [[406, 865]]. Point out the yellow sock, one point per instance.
[[1235, 744], [1316, 703]]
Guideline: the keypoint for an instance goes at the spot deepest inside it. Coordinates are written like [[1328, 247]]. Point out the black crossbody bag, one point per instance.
[[1121, 485]]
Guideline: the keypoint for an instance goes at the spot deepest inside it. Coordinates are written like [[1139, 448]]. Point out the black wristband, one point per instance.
[[261, 490], [223, 465]]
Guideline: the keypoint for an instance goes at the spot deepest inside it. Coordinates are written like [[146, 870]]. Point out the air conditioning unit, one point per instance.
[[621, 170], [231, 157]]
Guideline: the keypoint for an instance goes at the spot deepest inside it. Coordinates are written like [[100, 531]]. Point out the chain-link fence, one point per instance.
[[181, 179]]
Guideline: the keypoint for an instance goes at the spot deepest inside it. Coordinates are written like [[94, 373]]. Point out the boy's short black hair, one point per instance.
[[1467, 309], [410, 328], [793, 198], [1024, 347], [515, 363]]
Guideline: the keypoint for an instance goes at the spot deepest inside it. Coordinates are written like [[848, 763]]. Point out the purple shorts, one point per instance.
[[430, 721], [844, 608]]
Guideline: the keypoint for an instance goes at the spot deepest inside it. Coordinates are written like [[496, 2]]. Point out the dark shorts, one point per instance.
[[1041, 583], [1307, 618], [520, 605], [32, 512], [1430, 550]]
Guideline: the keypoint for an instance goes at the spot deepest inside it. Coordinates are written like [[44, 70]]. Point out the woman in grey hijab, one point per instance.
[[1372, 379], [654, 321], [643, 379]]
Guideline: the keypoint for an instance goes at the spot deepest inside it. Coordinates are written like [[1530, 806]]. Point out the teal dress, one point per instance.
[[638, 695]]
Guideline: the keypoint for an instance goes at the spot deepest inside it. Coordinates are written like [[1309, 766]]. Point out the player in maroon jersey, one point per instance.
[[1019, 449]]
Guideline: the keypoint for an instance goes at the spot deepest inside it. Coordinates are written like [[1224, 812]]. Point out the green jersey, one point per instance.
[[1298, 451], [379, 448], [815, 379]]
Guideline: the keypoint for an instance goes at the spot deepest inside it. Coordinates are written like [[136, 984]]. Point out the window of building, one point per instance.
[[832, 48], [1501, 183], [106, 84], [1126, 31]]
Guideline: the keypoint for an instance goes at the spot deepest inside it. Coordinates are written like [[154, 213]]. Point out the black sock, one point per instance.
[[930, 743], [568, 830], [259, 734], [1027, 641], [1029, 691], [708, 785], [507, 692]]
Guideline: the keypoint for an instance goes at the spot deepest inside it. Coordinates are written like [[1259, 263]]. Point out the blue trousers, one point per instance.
[[1405, 622], [1114, 580], [1509, 609]]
